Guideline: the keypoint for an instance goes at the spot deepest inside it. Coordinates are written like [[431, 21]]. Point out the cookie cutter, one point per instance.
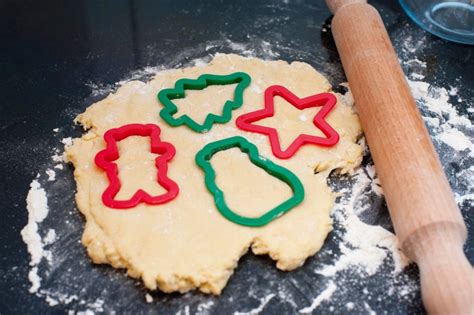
[[326, 100], [178, 92], [104, 160], [203, 158]]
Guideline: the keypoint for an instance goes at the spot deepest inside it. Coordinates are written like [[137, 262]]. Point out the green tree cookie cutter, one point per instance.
[[203, 158], [167, 95]]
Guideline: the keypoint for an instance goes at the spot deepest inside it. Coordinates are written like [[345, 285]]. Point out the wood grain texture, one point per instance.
[[427, 220], [335, 5]]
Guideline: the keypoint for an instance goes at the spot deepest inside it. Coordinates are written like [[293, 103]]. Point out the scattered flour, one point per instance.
[[456, 139], [453, 91], [369, 310], [350, 306], [461, 199], [50, 237], [51, 174], [248, 49], [148, 298], [203, 308], [200, 62], [263, 302], [37, 206], [58, 157], [363, 246], [97, 306], [35, 279], [448, 127], [67, 141], [91, 308], [184, 312], [323, 296], [436, 100], [51, 301], [416, 76]]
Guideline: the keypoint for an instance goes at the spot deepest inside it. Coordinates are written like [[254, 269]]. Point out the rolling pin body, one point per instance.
[[425, 216]]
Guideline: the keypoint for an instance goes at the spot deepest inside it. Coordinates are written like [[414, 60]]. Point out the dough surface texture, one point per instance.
[[187, 244]]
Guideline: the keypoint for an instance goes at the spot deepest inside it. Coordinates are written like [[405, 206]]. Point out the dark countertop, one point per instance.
[[55, 54]]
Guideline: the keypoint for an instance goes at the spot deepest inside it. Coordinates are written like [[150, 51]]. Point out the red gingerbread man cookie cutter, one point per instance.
[[104, 159], [327, 101]]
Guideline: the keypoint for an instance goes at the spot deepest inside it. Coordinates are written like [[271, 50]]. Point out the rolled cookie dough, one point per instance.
[[187, 243]]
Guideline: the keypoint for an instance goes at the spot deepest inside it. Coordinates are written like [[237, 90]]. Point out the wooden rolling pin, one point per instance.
[[427, 220]]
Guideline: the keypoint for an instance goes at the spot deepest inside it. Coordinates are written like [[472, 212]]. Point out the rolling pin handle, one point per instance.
[[445, 273]]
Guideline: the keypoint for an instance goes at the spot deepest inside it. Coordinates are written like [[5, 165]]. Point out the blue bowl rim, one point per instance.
[[455, 39]]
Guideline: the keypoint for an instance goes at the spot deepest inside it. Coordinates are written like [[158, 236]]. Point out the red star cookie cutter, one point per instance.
[[104, 159], [326, 100]]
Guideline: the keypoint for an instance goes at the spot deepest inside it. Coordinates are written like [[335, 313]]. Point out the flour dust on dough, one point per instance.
[[187, 244]]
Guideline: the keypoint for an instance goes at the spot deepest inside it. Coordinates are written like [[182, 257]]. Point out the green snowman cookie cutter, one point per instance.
[[203, 158], [167, 96]]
